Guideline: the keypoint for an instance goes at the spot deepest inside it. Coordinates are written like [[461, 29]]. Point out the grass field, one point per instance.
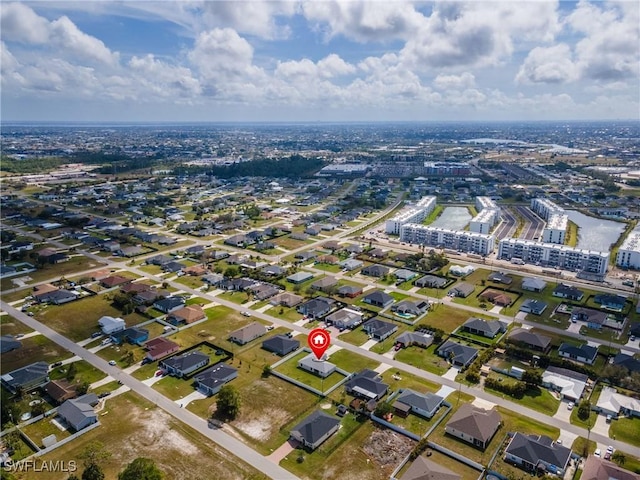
[[423, 358], [132, 427], [79, 319], [626, 430], [446, 317], [352, 362], [535, 398], [85, 372], [290, 368], [34, 349], [12, 326]]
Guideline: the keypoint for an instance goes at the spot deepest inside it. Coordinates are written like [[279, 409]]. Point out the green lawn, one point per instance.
[[43, 428], [423, 358], [328, 267], [626, 430], [12, 326], [85, 372], [235, 297], [34, 349], [352, 362], [408, 380], [285, 313], [536, 398], [290, 368], [174, 388], [446, 317], [189, 281], [356, 336], [79, 319]]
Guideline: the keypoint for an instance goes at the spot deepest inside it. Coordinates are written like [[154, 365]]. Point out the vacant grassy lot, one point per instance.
[[79, 319], [535, 398], [236, 297], [446, 317], [85, 372], [12, 326], [34, 349], [626, 430], [285, 313], [423, 358], [352, 362], [408, 381], [356, 336], [133, 427]]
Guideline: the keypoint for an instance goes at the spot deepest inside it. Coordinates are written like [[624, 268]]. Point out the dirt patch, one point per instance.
[[155, 431], [260, 428], [387, 448]]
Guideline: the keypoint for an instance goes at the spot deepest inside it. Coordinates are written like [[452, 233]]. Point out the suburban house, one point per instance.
[[238, 241], [344, 318], [160, 347], [403, 275], [626, 361], [212, 379], [169, 304], [250, 332], [407, 339], [182, 365], [273, 270], [530, 305], [315, 429], [424, 469], [460, 271], [613, 403], [351, 291], [537, 453], [461, 290], [379, 329], [431, 281], [114, 281], [529, 339], [474, 425], [110, 325], [351, 264], [375, 270], [186, 315], [286, 299], [133, 335], [407, 307], [567, 383], [595, 319], [611, 302], [316, 307], [299, 277], [56, 296], [78, 412], [366, 384], [568, 292], [26, 378], [583, 353], [324, 284], [320, 368], [485, 328], [280, 345], [496, 297], [424, 404], [262, 291], [499, 277], [596, 468], [533, 284], [378, 298], [60, 390], [460, 355]]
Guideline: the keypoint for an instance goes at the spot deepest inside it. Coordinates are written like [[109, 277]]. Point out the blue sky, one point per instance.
[[317, 60]]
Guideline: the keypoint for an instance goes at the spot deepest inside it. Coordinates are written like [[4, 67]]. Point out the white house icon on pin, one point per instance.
[[318, 340]]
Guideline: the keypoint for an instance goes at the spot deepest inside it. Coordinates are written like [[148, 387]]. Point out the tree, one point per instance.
[[532, 377], [71, 372], [93, 454], [619, 458], [584, 410], [93, 472], [141, 469], [228, 404], [383, 409], [83, 388]]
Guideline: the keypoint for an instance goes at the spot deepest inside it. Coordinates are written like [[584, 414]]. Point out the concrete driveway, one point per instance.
[[452, 373], [601, 427], [563, 414], [367, 345], [283, 450]]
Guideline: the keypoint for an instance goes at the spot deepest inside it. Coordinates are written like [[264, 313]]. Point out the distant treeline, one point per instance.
[[31, 165], [293, 166]]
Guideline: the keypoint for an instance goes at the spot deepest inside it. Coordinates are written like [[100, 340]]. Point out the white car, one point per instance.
[[112, 363], [570, 406], [597, 452], [246, 314]]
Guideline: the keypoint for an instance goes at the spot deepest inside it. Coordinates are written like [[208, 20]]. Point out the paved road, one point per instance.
[[508, 226], [227, 442], [533, 227]]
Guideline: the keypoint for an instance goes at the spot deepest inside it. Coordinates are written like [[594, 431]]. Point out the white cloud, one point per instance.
[[68, 38], [163, 79], [454, 82], [21, 24], [548, 65], [363, 21]]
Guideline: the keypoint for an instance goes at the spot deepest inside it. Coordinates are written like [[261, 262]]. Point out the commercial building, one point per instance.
[[553, 255], [629, 252], [459, 240], [416, 214]]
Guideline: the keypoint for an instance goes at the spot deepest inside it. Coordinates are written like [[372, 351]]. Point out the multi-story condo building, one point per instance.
[[416, 214], [553, 255], [488, 214], [629, 252], [459, 240], [555, 230]]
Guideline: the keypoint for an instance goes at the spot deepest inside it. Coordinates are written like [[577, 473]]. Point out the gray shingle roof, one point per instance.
[[315, 426], [533, 448]]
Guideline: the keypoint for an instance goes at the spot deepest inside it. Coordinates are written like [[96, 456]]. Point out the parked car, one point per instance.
[[246, 314], [597, 452], [56, 364], [570, 406], [104, 394], [96, 334], [112, 363]]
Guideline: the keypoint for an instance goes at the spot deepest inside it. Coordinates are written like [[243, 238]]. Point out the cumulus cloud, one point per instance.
[[454, 82], [548, 65], [163, 79], [362, 20], [21, 24]]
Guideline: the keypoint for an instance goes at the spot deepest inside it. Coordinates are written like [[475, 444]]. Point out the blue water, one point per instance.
[[453, 218]]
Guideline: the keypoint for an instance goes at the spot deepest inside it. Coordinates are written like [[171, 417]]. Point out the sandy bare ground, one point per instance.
[[260, 428]]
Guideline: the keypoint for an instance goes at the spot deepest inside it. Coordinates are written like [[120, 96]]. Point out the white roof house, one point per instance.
[[111, 325], [611, 402], [570, 387]]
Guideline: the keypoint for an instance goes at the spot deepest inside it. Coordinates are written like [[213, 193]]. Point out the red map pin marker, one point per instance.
[[319, 340]]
